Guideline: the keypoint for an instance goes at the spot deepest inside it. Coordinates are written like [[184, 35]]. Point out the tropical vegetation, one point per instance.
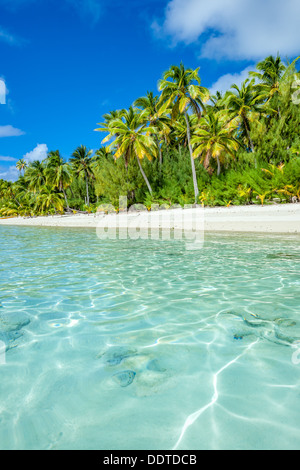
[[179, 146]]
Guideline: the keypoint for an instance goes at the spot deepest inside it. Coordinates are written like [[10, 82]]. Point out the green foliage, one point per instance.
[[242, 147]]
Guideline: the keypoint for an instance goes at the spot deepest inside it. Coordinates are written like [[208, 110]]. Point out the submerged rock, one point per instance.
[[124, 378], [11, 325], [155, 365], [147, 371], [10, 321], [270, 330], [10, 338], [238, 337], [116, 355]]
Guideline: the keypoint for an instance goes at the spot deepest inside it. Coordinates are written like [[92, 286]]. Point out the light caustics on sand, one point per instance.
[[196, 415], [146, 345]]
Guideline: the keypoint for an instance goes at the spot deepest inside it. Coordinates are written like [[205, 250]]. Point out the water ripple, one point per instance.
[[192, 349]]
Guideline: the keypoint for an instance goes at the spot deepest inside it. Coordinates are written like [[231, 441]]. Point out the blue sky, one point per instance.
[[65, 63]]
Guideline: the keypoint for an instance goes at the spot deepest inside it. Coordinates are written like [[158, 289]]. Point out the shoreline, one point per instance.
[[281, 218]]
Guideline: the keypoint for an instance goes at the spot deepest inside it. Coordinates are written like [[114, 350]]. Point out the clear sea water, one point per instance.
[[124, 344]]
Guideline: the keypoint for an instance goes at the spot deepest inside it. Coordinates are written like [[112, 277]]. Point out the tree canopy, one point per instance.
[[178, 145]]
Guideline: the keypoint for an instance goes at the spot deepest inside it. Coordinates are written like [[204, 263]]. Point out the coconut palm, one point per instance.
[[21, 165], [133, 138], [269, 72], [9, 192], [48, 199], [4, 185], [179, 130], [108, 118], [20, 187], [181, 88], [217, 102], [245, 103], [99, 155], [35, 176], [155, 116], [82, 163], [58, 173], [213, 138]]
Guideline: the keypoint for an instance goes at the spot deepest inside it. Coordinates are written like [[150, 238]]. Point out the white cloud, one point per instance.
[[2, 91], [40, 152], [11, 174], [10, 131], [225, 82], [235, 29], [7, 159]]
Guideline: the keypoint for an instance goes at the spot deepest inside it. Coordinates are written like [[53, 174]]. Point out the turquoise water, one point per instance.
[[128, 344]]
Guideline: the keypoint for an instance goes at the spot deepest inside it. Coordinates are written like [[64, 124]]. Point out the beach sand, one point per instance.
[[284, 218]]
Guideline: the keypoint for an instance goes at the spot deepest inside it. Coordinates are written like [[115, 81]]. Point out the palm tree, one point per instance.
[[35, 176], [8, 191], [245, 103], [179, 130], [217, 102], [213, 138], [21, 165], [48, 199], [99, 155], [108, 118], [82, 163], [155, 116], [58, 174], [20, 187], [133, 138], [181, 88]]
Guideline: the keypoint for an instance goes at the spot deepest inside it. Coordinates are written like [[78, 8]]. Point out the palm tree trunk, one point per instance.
[[219, 166], [196, 189], [87, 190], [159, 150], [249, 139], [207, 160], [66, 199], [248, 135], [144, 175]]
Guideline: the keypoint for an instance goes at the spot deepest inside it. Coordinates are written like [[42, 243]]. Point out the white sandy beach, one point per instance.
[[283, 218]]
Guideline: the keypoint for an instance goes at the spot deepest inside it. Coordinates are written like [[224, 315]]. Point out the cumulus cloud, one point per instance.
[[225, 82], [40, 152], [7, 159], [11, 174], [234, 29], [10, 131]]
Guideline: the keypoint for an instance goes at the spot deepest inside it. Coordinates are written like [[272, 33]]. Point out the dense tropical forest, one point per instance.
[[179, 146]]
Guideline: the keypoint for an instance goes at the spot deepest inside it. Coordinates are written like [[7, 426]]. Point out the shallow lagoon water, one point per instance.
[[124, 344]]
